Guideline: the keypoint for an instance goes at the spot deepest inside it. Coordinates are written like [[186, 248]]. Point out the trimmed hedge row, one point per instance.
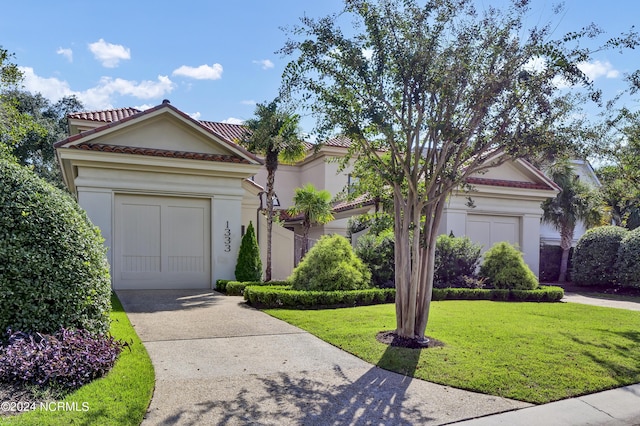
[[236, 288], [286, 297], [269, 296]]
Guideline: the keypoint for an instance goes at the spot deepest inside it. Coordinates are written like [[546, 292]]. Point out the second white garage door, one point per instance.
[[162, 242], [488, 230]]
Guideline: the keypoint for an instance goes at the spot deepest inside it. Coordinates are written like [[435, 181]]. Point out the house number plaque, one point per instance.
[[227, 238]]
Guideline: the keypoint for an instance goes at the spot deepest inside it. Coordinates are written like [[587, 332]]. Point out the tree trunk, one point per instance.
[[271, 163], [566, 240], [306, 224]]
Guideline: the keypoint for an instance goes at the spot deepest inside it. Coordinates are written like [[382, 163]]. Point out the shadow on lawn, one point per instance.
[[623, 374]]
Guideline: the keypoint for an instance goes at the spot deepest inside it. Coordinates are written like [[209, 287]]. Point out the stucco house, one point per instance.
[[172, 196]]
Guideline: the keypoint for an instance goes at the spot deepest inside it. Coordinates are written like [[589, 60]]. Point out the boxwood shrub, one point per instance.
[[331, 264], [53, 269], [236, 288], [595, 256], [221, 285], [285, 297], [628, 263], [504, 268]]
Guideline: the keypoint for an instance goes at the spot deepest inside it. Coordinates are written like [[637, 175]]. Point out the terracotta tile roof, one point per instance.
[[119, 149], [507, 183], [106, 116], [361, 201], [340, 141], [340, 206], [230, 132]]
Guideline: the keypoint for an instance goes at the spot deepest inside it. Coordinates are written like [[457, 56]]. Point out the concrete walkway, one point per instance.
[[596, 300], [219, 361]]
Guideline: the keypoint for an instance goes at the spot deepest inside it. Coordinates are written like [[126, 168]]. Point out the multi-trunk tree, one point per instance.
[[444, 91]]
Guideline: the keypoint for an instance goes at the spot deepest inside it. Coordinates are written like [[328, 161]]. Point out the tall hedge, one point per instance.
[[331, 264], [628, 264], [53, 268], [456, 258], [249, 265], [595, 256]]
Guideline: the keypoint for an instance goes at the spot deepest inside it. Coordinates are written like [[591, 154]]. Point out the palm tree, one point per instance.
[[575, 202], [315, 206], [274, 134]]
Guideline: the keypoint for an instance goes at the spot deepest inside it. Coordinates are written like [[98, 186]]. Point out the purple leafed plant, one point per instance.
[[67, 359]]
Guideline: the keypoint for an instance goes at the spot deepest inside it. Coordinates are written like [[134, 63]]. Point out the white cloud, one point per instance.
[[143, 107], [203, 72], [232, 120], [195, 115], [535, 64], [248, 102], [264, 63], [102, 95], [50, 88], [109, 54], [67, 53], [597, 69], [367, 53]]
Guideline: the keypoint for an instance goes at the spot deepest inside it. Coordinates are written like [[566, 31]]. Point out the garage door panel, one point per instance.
[[162, 242], [488, 230]]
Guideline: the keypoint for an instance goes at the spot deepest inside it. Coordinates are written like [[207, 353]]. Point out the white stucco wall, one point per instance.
[[97, 186]]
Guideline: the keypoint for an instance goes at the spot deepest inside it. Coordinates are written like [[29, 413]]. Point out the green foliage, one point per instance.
[[286, 297], [54, 273], [377, 223], [221, 285], [628, 264], [595, 256], [456, 258], [550, 257], [249, 265], [268, 296], [331, 265], [504, 268], [236, 288], [377, 252]]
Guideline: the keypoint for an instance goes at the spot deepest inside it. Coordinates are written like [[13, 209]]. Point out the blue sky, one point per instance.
[[214, 60]]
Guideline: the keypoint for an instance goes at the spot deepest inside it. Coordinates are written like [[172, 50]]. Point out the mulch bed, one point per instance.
[[391, 338]]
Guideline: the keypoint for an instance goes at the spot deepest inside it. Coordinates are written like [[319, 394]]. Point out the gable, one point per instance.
[[516, 174], [163, 133]]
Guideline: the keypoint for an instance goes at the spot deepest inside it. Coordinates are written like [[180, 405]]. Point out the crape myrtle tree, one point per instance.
[[445, 91], [274, 133]]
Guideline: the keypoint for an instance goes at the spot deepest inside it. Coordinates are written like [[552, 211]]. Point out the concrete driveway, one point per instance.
[[218, 361]]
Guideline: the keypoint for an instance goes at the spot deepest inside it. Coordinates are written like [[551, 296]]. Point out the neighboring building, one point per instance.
[[172, 195], [550, 235]]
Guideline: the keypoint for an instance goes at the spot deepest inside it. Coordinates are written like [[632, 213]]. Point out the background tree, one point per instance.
[[34, 148], [315, 207], [576, 202], [273, 133], [14, 125], [446, 92]]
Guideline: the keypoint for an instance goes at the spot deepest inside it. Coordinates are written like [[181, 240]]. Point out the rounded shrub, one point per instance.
[[628, 264], [330, 265], [456, 258], [504, 268], [249, 265], [54, 272], [377, 252], [595, 256]]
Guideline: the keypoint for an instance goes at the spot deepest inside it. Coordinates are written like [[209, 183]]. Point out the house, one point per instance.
[[172, 196], [585, 173]]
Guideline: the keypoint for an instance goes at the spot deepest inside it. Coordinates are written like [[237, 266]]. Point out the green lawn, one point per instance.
[[119, 398], [534, 352]]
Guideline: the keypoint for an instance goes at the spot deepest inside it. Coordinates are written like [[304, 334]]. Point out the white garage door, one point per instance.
[[488, 230], [162, 243]]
